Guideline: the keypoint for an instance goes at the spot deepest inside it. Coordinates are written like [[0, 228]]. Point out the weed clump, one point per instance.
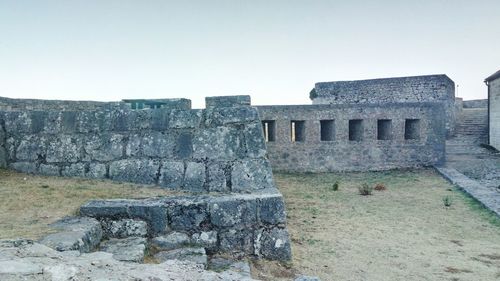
[[380, 187], [447, 201], [365, 189], [335, 186]]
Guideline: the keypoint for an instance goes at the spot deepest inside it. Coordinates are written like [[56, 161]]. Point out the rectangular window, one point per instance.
[[327, 130], [356, 130], [269, 127], [384, 129], [298, 130], [412, 129]]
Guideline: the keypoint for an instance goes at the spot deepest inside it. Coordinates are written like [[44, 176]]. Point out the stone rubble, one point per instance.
[[27, 260]]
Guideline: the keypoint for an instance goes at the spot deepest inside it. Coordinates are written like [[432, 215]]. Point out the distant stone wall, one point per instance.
[[429, 88], [354, 137], [216, 149], [8, 104], [476, 103], [494, 112]]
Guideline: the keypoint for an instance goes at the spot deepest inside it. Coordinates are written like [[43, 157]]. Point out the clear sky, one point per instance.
[[273, 50]]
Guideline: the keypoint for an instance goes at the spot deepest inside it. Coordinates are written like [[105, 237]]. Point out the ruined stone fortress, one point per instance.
[[224, 154]]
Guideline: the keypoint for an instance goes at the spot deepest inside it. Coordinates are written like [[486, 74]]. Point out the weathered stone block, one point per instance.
[[105, 209], [205, 239], [251, 175], [139, 120], [11, 146], [275, 244], [94, 121], [25, 167], [64, 148], [74, 170], [78, 233], [230, 115], [31, 148], [3, 135], [196, 255], [96, 171], [124, 228], [217, 143], [217, 177], [3, 157], [172, 174], [158, 144], [49, 170], [194, 178], [254, 140], [185, 118], [120, 120], [154, 214], [272, 210], [17, 123], [159, 119], [227, 101], [47, 122], [173, 240], [188, 216], [133, 147], [137, 171], [128, 249], [68, 121], [104, 147], [184, 145], [234, 241], [38, 119], [233, 212]]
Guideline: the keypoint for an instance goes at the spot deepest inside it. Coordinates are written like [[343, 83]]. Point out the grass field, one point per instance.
[[402, 233], [28, 203]]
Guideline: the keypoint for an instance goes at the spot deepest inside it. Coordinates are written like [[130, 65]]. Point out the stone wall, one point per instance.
[[425, 145], [218, 154], [476, 103], [494, 112], [429, 88], [217, 149], [8, 104]]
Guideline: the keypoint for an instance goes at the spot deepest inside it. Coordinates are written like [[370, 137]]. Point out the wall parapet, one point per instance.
[[426, 88]]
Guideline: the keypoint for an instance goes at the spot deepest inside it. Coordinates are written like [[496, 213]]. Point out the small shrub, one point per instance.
[[447, 201], [365, 189], [335, 186], [380, 187]]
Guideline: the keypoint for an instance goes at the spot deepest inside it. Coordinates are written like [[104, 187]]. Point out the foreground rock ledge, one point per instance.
[[26, 260]]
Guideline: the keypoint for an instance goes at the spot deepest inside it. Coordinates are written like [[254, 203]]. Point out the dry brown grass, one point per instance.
[[28, 203], [403, 233]]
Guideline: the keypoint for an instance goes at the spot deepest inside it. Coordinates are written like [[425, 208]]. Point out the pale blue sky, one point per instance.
[[272, 50]]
